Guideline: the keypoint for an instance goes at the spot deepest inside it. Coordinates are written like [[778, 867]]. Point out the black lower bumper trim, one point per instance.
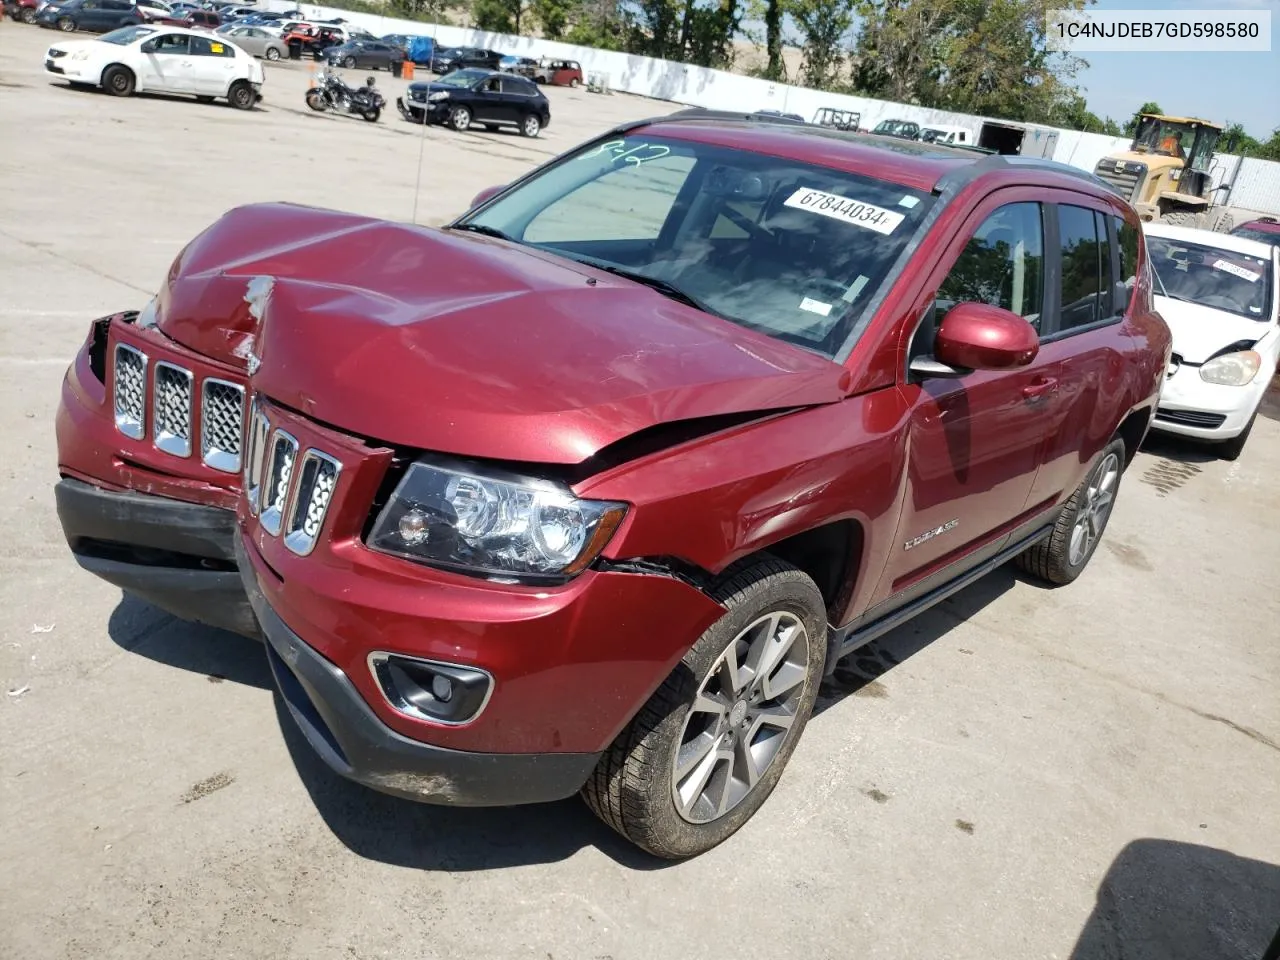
[[178, 556], [350, 738]]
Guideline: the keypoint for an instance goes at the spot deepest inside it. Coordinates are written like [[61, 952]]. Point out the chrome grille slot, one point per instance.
[[281, 454], [256, 455], [317, 479], [221, 424], [129, 390], [171, 410]]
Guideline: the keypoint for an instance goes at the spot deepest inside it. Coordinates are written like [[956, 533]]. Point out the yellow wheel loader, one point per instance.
[[1165, 173]]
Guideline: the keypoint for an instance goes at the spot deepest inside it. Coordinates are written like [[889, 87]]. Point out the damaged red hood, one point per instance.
[[464, 344]]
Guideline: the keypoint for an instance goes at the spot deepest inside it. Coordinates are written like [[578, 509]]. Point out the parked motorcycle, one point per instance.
[[331, 93]]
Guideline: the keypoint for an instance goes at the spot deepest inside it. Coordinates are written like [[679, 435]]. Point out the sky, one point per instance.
[[1226, 87]]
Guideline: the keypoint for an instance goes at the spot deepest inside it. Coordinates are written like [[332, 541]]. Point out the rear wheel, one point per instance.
[[460, 118], [530, 126], [118, 81], [241, 95], [1063, 555], [1231, 449], [573, 82], [372, 115], [708, 748], [28, 15]]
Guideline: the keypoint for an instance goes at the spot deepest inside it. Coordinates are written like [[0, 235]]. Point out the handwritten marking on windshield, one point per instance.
[[640, 153]]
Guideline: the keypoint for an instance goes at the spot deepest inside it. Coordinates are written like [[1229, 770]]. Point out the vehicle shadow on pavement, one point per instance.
[[1179, 449], [147, 631], [430, 837], [1164, 900], [859, 673]]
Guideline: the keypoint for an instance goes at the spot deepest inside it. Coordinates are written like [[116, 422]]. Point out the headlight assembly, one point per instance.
[[438, 96], [496, 527], [1232, 369], [80, 55]]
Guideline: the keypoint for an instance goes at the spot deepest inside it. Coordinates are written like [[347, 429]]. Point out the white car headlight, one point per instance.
[[80, 55], [1232, 369], [438, 96], [498, 527]]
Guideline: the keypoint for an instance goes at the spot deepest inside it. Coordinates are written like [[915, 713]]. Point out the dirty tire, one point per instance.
[[272, 53], [118, 81], [1231, 449], [530, 126], [240, 95], [67, 25], [460, 118], [632, 789], [1051, 559]]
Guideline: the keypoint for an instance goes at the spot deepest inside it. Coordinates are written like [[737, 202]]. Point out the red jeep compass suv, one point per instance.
[[587, 490]]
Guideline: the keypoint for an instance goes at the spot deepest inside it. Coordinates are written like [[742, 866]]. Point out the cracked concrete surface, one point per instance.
[[1088, 772]]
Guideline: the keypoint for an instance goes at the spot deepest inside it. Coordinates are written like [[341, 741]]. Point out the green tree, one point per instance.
[[900, 52], [499, 16], [824, 26], [428, 11], [554, 16], [776, 69]]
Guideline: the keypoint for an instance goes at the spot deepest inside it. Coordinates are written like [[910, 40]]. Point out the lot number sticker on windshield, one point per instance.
[[865, 215], [1240, 272]]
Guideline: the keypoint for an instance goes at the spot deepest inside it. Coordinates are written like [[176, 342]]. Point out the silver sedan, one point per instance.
[[256, 41]]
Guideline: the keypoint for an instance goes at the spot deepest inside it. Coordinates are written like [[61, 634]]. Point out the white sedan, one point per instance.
[[1219, 296], [155, 59]]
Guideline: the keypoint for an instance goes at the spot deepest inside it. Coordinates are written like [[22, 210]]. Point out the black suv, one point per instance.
[[460, 58], [98, 16], [485, 97]]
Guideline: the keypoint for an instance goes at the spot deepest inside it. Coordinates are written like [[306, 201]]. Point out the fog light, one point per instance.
[[442, 688], [429, 690]]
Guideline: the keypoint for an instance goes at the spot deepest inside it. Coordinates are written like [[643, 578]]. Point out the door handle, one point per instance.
[[1039, 389]]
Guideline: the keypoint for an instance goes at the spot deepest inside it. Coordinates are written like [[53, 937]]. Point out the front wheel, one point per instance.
[[1231, 449], [460, 118], [67, 25], [118, 81], [373, 114], [574, 83], [349, 62], [316, 101], [705, 752], [272, 54], [1061, 557], [28, 15], [530, 126], [241, 95]]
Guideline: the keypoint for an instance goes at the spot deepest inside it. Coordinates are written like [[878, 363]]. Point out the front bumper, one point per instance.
[[416, 111], [178, 556], [354, 742], [1190, 407]]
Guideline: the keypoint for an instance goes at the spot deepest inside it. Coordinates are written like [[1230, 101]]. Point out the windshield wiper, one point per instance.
[[484, 230], [664, 287]]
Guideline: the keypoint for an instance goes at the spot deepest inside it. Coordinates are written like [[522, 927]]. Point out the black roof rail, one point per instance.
[[702, 113], [963, 176]]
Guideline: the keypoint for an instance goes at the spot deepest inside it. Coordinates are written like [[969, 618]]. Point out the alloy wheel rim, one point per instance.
[[531, 125], [461, 119], [1091, 517], [742, 717]]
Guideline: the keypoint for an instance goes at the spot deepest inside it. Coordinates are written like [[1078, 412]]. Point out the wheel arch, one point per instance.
[[1132, 430], [137, 83]]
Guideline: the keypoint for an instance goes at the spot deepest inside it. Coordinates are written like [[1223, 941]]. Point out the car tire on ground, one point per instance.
[[460, 118], [272, 53], [241, 95], [1062, 556], [1231, 449], [704, 753], [28, 15], [530, 126], [67, 25], [349, 62], [118, 81], [573, 82]]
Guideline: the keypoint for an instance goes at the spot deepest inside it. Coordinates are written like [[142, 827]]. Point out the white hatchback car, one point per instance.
[[1220, 296], [148, 58]]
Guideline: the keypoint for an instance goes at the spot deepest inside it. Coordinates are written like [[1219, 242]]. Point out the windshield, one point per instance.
[[461, 78], [126, 35], [786, 248], [1212, 277]]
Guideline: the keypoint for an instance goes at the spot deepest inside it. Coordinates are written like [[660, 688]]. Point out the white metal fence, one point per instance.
[[1256, 182]]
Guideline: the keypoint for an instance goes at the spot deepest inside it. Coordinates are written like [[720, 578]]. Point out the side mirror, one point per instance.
[[977, 336], [486, 194]]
